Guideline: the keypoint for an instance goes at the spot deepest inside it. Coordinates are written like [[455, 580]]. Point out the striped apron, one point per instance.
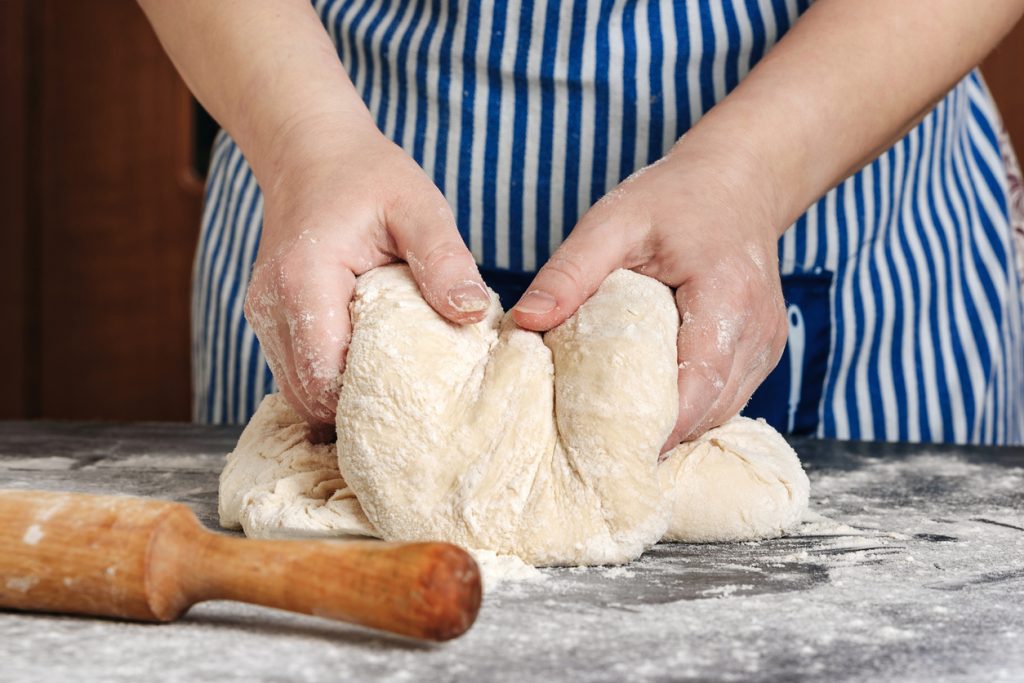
[[903, 284]]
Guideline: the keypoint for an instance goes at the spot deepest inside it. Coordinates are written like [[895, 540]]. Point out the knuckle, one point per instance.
[[443, 254], [418, 205], [258, 313], [250, 306], [779, 340], [280, 371], [566, 269], [323, 393], [713, 374], [288, 268], [759, 365]]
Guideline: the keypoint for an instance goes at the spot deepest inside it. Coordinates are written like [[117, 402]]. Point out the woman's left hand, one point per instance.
[[710, 235]]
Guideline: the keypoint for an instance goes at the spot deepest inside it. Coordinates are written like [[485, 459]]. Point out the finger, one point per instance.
[[319, 328], [571, 275], [441, 264], [282, 366], [758, 350], [729, 402], [276, 307], [261, 305], [709, 334]]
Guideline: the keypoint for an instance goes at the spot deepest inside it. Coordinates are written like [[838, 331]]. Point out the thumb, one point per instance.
[[441, 264], [571, 275]]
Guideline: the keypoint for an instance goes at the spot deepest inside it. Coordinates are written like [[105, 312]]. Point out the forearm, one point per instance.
[[843, 85], [266, 71]]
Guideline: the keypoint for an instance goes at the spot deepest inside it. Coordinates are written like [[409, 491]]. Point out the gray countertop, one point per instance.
[[911, 569]]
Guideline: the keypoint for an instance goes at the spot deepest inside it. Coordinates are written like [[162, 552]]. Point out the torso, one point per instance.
[[905, 303]]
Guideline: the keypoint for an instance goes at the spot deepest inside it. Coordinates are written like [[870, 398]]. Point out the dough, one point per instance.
[[279, 484], [738, 482], [496, 438]]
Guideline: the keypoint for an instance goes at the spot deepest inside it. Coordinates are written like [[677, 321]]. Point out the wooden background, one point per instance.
[[101, 210]]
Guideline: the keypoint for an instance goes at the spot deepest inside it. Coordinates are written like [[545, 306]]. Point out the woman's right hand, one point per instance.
[[341, 204], [339, 197]]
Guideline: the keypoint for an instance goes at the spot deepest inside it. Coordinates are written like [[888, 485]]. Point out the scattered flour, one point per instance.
[[497, 569], [33, 535], [22, 584]]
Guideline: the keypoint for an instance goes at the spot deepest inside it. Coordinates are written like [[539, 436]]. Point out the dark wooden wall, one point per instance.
[[102, 213], [100, 210], [15, 299], [1004, 71]]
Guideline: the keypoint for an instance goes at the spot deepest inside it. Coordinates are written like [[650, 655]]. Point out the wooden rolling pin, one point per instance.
[[151, 560]]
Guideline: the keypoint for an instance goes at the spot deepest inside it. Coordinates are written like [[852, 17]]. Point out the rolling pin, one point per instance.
[[151, 560]]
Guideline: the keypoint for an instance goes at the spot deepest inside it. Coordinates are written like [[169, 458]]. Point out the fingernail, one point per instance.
[[468, 297], [536, 303]]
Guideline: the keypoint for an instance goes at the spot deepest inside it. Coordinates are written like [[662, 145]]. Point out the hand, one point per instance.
[[699, 224], [340, 206]]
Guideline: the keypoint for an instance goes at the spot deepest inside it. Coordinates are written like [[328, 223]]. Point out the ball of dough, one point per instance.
[[500, 439], [493, 437], [278, 484], [738, 482]]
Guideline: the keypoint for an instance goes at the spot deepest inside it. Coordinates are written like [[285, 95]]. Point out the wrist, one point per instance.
[[745, 187], [300, 145]]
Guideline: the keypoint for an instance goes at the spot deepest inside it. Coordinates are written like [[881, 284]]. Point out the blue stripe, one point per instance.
[[926, 234], [200, 277], [852, 255], [684, 117], [969, 257], [385, 65], [542, 217], [516, 189], [402, 58], [442, 102], [991, 241], [364, 47], [332, 22], [214, 312], [220, 143], [355, 44], [991, 183], [237, 319], [874, 280], [233, 159], [601, 103], [799, 239], [923, 314], [707, 59], [949, 251], [422, 103], [223, 366], [732, 53], [782, 18], [257, 367], [490, 189], [987, 279], [757, 28], [465, 175], [657, 104], [577, 34], [903, 318], [627, 145], [838, 341], [220, 161]]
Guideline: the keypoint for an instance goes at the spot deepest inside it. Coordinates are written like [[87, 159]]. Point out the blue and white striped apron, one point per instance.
[[904, 297]]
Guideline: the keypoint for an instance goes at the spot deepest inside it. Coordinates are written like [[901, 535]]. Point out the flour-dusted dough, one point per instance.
[[739, 482], [278, 484], [500, 439]]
